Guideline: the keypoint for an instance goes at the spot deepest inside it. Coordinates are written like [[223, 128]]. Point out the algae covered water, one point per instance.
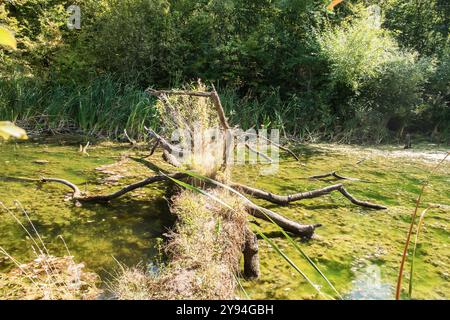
[[128, 230], [358, 249]]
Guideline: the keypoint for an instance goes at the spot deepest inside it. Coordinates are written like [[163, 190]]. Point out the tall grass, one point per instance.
[[101, 107], [416, 241], [105, 106], [47, 277], [411, 227]]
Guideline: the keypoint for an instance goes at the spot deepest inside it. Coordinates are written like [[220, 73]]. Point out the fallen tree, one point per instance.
[[198, 111]]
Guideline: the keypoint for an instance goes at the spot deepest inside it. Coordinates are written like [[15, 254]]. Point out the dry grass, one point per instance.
[[207, 241], [196, 124], [204, 251], [46, 277], [49, 278]]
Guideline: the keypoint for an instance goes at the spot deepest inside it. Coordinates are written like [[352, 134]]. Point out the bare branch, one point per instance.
[[335, 175], [164, 143], [76, 191], [285, 200], [171, 159], [156, 145], [77, 195], [305, 231], [220, 112]]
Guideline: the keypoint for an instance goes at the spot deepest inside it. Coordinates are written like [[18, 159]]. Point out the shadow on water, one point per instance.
[[128, 229]]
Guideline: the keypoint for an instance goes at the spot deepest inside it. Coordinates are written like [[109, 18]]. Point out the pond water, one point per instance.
[[358, 249]]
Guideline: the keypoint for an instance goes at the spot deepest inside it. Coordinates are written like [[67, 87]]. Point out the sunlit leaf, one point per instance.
[[8, 130], [7, 38], [333, 4]]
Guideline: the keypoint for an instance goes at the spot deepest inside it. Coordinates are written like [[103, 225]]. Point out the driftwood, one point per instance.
[[256, 211], [285, 200], [302, 230], [78, 195]]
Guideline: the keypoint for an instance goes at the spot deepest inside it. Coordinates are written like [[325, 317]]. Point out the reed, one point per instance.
[[411, 227]]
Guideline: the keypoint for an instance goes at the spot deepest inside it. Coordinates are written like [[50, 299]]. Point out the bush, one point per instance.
[[378, 80]]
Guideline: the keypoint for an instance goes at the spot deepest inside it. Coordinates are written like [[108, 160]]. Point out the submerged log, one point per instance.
[[251, 257], [78, 196], [303, 230]]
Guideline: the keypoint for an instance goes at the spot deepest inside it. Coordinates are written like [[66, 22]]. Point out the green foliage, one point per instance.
[[421, 25], [289, 64], [101, 107], [378, 80], [357, 50]]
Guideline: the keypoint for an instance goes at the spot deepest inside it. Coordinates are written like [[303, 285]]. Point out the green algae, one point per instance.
[[127, 229], [358, 249]]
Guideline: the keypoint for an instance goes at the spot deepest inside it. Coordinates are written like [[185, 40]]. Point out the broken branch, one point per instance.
[[285, 200], [305, 231], [163, 142], [77, 195]]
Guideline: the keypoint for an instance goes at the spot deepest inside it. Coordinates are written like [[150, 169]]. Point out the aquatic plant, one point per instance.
[[411, 226], [46, 277]]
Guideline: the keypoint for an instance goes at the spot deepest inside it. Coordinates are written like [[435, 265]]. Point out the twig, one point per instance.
[[335, 175], [262, 155]]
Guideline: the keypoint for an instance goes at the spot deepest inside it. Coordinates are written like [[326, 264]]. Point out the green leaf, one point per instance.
[[7, 38], [8, 130]]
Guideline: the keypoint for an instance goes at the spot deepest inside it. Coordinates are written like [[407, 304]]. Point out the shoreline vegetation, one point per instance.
[[341, 74]]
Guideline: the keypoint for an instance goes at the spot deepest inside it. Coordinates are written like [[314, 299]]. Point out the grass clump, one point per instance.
[[204, 251], [193, 124], [49, 278]]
